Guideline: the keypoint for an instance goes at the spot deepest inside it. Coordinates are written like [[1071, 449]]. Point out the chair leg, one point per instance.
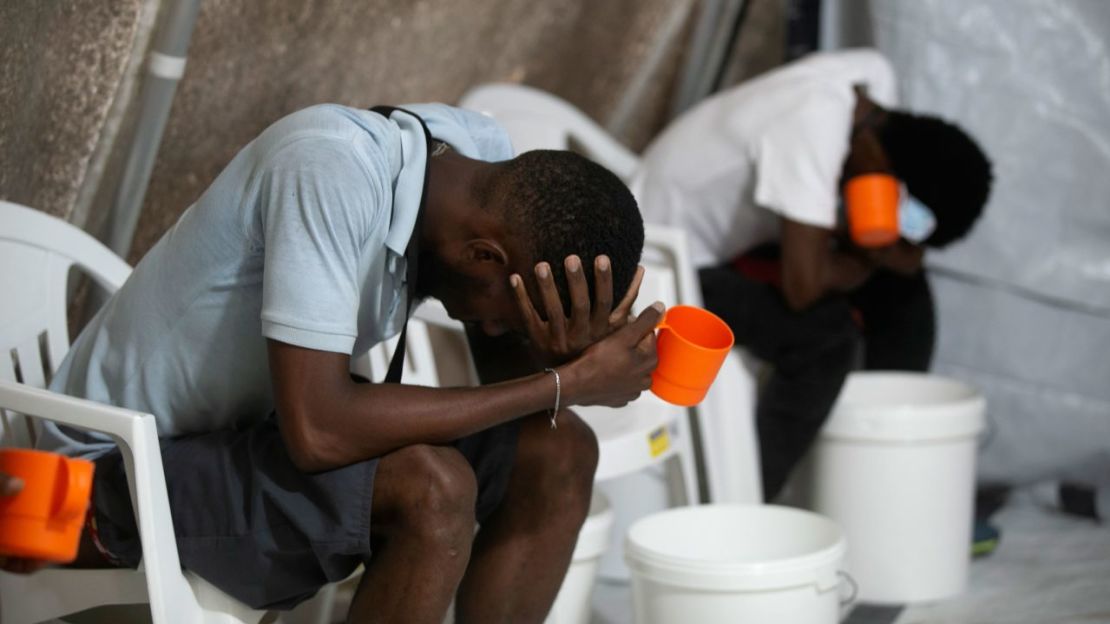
[[682, 470]]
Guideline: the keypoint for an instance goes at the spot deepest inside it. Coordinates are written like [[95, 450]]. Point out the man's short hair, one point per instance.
[[941, 166], [562, 203]]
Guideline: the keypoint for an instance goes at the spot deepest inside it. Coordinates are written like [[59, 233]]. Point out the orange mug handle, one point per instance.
[[77, 479]]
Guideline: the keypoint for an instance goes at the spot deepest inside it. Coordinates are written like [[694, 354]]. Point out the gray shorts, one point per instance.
[[252, 524]]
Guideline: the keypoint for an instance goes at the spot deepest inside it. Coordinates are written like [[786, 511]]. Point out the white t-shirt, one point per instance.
[[729, 168], [300, 239]]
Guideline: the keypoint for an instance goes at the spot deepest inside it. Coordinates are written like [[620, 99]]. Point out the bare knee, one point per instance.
[[577, 462], [428, 492], [562, 463]]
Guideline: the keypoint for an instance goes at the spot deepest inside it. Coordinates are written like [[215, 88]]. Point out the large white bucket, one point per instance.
[[572, 605], [895, 466], [735, 563]]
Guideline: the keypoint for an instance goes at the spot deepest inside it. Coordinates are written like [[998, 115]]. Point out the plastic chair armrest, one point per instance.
[[67, 410], [139, 443]]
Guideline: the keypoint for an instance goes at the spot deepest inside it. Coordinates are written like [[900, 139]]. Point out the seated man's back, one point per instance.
[[185, 337]]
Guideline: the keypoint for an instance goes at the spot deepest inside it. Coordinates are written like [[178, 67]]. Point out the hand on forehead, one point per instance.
[[572, 324]]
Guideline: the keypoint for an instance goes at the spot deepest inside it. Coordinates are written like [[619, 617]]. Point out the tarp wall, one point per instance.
[[1024, 302]]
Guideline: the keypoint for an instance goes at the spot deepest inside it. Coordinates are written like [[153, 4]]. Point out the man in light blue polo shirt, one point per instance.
[[237, 330]]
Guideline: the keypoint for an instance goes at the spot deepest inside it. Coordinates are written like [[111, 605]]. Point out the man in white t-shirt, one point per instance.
[[754, 175], [283, 472]]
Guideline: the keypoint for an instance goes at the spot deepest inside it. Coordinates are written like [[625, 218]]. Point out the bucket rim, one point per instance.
[[969, 393], [959, 417], [782, 572]]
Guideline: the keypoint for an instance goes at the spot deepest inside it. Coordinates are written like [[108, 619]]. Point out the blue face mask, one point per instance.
[[915, 221]]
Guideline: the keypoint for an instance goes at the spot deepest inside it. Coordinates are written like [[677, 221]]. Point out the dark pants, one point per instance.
[[812, 351], [252, 524]]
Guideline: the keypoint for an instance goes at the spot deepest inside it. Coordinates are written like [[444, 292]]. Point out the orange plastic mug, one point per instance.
[[692, 344], [44, 520], [871, 202]]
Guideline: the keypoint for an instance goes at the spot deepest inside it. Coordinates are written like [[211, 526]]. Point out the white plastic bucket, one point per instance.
[[572, 605], [633, 496], [735, 563], [895, 466]]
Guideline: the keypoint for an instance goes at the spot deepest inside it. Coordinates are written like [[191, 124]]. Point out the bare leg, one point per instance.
[[422, 531], [523, 550]]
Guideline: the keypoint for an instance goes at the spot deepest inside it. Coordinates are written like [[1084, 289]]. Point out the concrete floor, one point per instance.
[[1049, 568]]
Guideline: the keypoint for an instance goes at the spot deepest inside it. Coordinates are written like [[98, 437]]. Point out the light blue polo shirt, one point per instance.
[[300, 239]]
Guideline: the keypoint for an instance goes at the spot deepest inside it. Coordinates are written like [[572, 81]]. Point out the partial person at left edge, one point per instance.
[[284, 472]]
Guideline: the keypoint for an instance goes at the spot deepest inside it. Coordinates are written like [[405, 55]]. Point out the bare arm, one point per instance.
[[500, 358], [903, 257], [328, 420], [811, 268]]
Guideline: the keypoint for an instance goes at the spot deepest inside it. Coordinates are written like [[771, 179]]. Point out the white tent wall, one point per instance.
[[1024, 301]]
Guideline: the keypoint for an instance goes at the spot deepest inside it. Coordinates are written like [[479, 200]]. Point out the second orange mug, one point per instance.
[[692, 344], [44, 520], [871, 204]]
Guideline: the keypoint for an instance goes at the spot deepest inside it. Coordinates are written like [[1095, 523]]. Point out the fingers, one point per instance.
[[648, 357], [552, 305], [578, 331], [10, 486], [622, 400], [19, 565], [532, 321], [646, 322], [603, 295], [620, 313]]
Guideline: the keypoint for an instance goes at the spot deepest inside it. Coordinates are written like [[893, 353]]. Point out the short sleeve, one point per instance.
[[799, 162], [319, 203], [882, 84]]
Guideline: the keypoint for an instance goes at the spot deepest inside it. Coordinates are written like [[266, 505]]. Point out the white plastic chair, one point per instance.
[[419, 366], [36, 253], [535, 119], [725, 418]]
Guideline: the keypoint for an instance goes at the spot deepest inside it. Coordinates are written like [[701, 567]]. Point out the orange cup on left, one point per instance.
[[44, 520], [691, 345]]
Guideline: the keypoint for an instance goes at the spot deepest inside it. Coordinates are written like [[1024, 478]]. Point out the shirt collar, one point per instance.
[[410, 183]]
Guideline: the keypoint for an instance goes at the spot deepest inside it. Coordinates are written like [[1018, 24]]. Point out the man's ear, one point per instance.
[[480, 250]]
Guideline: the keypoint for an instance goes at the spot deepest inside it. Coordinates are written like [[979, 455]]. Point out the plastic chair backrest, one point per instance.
[[658, 284], [420, 364], [535, 119], [665, 250], [37, 252]]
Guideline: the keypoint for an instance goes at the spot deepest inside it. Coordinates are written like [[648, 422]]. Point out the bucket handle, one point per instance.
[[853, 588]]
